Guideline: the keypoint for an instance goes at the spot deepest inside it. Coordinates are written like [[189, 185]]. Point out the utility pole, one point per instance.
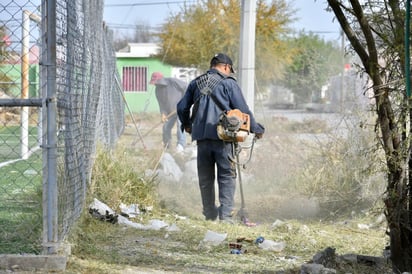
[[247, 51]]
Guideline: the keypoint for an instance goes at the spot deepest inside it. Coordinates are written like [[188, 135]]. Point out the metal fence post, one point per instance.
[[50, 106], [73, 68]]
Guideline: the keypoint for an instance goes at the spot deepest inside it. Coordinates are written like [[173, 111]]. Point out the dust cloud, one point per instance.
[[274, 181]]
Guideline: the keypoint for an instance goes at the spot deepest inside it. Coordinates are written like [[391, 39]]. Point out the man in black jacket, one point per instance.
[[202, 123]]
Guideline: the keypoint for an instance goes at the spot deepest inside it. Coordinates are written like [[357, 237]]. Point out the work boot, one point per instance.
[[211, 214]]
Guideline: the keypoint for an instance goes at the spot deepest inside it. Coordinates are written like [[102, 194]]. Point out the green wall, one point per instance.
[[138, 102], [141, 101], [13, 73]]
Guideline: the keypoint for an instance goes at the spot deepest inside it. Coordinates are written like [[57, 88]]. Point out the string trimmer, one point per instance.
[[237, 149]]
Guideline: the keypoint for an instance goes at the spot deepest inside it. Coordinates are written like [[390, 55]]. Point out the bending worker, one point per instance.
[[168, 92]]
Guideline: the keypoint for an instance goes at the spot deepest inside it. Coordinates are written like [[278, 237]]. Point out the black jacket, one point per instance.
[[227, 92]]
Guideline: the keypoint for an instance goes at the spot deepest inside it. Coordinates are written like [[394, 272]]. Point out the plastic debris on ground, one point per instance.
[[363, 226], [269, 245], [214, 238], [235, 251], [101, 207], [127, 222], [277, 223], [153, 225], [158, 224], [103, 212], [236, 248], [129, 211]]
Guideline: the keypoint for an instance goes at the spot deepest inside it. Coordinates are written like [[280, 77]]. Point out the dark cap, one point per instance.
[[221, 58]]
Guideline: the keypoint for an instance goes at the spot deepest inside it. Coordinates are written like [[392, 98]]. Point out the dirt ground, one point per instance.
[[273, 194]]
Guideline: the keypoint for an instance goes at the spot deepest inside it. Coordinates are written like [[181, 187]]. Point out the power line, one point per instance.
[[130, 26], [146, 4], [130, 7]]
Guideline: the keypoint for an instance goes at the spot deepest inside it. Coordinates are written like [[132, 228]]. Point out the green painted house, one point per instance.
[[136, 64]]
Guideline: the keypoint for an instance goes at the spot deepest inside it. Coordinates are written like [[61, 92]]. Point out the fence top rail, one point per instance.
[[13, 102]]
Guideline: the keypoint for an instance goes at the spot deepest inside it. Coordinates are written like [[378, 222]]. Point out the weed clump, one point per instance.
[[116, 180]]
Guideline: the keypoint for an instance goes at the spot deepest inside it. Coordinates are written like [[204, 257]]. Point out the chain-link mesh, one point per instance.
[[90, 109], [20, 130]]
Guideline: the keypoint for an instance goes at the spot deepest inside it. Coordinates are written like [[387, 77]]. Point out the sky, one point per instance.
[[123, 14], [312, 17]]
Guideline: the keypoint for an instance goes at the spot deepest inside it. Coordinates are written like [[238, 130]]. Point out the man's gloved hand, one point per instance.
[[258, 135], [262, 130], [187, 129], [164, 118]]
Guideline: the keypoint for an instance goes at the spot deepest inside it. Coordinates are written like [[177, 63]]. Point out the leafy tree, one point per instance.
[[4, 55], [375, 30], [192, 36], [314, 60], [3, 44]]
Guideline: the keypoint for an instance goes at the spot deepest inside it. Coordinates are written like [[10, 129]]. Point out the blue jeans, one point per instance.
[[211, 154], [167, 132]]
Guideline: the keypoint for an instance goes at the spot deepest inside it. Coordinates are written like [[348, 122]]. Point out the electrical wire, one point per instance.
[[145, 4]]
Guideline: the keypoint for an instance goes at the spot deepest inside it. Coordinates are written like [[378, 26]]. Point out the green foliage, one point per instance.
[[4, 55], [272, 50], [115, 180], [3, 44], [314, 61], [343, 173], [192, 36], [302, 64], [199, 31]]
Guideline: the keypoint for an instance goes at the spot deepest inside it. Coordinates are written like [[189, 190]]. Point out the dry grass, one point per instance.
[[117, 248], [274, 187]]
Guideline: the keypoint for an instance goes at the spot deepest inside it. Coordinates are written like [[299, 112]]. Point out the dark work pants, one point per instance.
[[211, 154]]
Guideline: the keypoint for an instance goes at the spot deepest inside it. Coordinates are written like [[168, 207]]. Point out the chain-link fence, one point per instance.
[[59, 97]]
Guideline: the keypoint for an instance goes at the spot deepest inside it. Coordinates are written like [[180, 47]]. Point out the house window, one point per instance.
[[135, 79]]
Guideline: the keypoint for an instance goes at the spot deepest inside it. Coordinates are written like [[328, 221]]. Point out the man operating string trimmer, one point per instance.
[[212, 94]]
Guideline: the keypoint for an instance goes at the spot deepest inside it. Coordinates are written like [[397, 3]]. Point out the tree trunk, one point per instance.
[[397, 196], [395, 139]]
